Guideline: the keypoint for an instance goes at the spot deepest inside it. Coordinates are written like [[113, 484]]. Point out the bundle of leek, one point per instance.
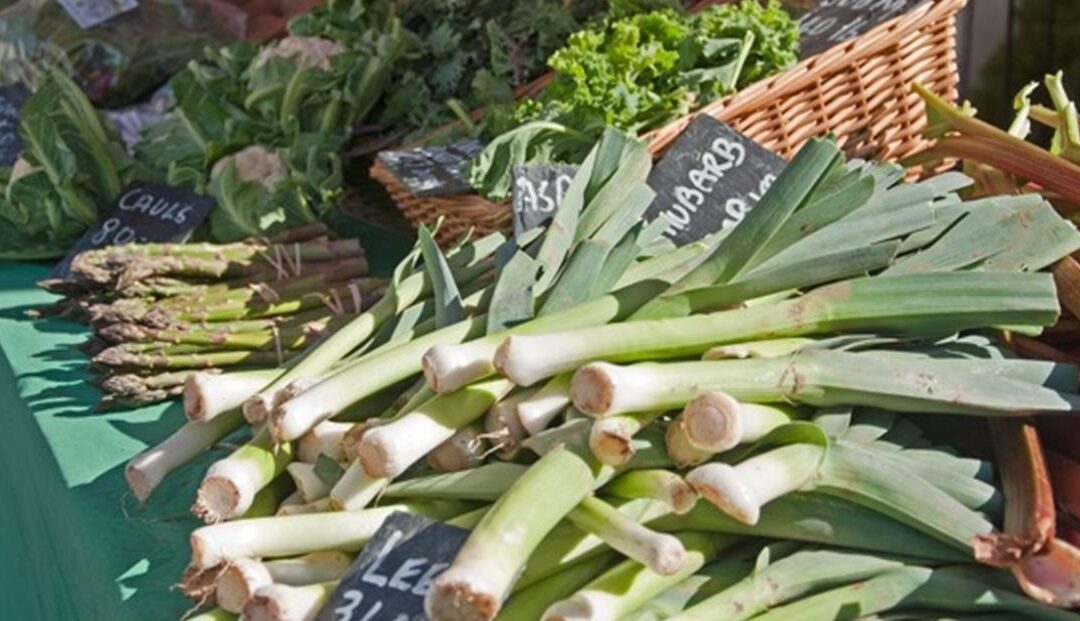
[[832, 309]]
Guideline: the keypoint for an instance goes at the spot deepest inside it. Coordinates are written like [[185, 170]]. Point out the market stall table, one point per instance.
[[75, 544]]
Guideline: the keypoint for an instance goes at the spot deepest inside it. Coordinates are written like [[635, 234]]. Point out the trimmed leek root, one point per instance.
[[474, 586]]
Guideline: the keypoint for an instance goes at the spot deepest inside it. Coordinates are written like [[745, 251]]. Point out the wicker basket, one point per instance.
[[859, 90]]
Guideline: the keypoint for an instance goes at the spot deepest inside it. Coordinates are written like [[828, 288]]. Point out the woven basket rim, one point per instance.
[[814, 68]]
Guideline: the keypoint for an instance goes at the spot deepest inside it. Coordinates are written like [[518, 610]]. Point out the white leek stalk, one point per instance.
[[711, 422], [299, 534], [663, 485], [661, 553], [321, 505], [386, 451], [230, 485], [469, 262], [243, 577], [360, 379], [937, 303], [280, 602], [324, 439], [741, 490], [208, 395], [820, 378], [356, 489], [611, 439], [624, 588], [503, 428], [464, 450], [537, 412], [350, 443], [148, 469], [258, 408], [310, 486], [453, 364], [474, 586], [680, 448]]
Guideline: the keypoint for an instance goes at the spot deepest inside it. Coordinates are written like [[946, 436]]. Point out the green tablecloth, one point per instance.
[[74, 543]]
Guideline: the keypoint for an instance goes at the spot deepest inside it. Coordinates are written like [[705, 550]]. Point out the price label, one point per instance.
[[90, 13], [433, 171], [709, 180], [394, 571], [835, 21], [538, 191], [12, 99], [143, 213]]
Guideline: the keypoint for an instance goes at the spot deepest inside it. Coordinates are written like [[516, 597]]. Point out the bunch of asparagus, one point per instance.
[[634, 431], [162, 312]]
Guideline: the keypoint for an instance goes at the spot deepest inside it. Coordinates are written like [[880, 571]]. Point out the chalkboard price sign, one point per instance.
[[143, 213], [12, 99], [433, 171], [394, 571], [709, 180], [538, 191], [90, 13], [834, 21]]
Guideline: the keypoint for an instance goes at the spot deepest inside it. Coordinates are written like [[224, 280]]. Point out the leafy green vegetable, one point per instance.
[[72, 164], [287, 107], [637, 73]]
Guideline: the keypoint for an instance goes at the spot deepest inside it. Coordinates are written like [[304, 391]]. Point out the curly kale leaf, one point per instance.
[[776, 35]]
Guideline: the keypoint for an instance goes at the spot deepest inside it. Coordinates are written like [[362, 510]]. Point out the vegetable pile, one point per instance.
[[637, 73], [1042, 462], [162, 312], [261, 128], [636, 431]]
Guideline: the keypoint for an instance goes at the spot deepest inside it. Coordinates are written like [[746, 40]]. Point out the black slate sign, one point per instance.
[[709, 179], [12, 98], [144, 213], [834, 21], [538, 191], [433, 171], [394, 571]]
